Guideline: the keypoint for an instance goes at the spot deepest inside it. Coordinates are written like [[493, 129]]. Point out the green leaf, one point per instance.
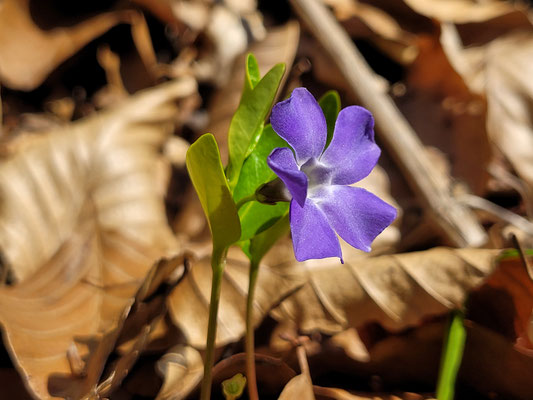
[[256, 217], [507, 254], [263, 242], [451, 357], [252, 76], [246, 125], [207, 176], [331, 106], [234, 387]]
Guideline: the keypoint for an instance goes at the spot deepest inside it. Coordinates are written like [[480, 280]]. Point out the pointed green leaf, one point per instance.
[[263, 242], [248, 120], [207, 176], [331, 106], [252, 76], [256, 217]]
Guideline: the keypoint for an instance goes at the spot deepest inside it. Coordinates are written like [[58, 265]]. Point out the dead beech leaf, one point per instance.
[[461, 11], [509, 91], [189, 301], [366, 20], [182, 369], [454, 118], [299, 387], [28, 53], [500, 71], [395, 290], [82, 223]]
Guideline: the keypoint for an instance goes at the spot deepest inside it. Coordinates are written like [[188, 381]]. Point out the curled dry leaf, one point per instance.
[[454, 117], [509, 93], [365, 20], [182, 369], [462, 11], [28, 53], [395, 290], [501, 71], [299, 387], [82, 223]]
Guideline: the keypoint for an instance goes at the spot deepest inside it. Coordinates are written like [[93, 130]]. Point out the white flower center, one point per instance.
[[318, 175]]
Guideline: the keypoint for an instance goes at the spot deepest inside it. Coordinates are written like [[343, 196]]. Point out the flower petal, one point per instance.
[[357, 215], [300, 121], [352, 152], [282, 162], [312, 236]]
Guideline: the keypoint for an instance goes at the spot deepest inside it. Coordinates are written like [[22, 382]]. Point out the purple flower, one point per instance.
[[317, 179]]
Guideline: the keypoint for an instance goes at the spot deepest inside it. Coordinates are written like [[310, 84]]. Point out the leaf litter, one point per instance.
[[93, 303]]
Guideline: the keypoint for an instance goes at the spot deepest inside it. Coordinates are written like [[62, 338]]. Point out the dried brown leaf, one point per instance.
[[182, 369], [368, 21], [395, 290], [454, 117], [83, 221], [501, 71], [509, 92], [461, 11], [28, 53], [299, 387]]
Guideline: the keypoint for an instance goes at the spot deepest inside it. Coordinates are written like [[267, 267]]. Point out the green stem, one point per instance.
[[245, 200], [250, 350], [451, 356], [218, 261]]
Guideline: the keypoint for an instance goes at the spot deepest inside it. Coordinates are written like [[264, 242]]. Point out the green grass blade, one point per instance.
[[451, 357]]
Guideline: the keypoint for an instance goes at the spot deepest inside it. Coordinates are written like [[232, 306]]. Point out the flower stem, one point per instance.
[[245, 200], [250, 351], [218, 261], [452, 356]]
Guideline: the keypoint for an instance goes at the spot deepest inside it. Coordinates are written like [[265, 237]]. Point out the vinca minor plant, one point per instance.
[[293, 173]]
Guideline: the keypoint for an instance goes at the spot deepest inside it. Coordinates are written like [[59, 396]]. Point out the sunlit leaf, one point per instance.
[[256, 217], [207, 176], [252, 74], [247, 122]]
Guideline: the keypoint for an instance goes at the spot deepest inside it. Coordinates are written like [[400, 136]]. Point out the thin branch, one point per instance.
[[455, 220], [497, 211]]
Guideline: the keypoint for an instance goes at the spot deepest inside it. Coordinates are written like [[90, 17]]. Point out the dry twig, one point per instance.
[[456, 221]]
